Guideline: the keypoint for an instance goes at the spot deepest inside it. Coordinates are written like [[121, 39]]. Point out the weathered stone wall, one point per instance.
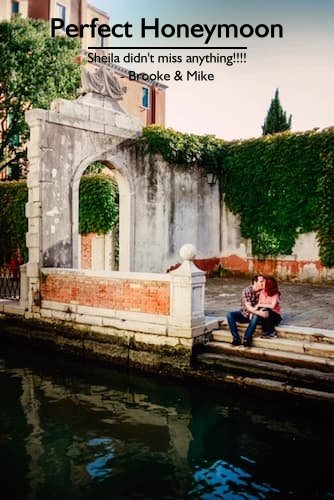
[[302, 265], [162, 206], [173, 206]]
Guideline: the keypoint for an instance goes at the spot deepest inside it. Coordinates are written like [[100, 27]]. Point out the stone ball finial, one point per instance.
[[188, 251]]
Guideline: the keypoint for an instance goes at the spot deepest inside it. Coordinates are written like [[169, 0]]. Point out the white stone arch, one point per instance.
[[126, 206], [63, 142]]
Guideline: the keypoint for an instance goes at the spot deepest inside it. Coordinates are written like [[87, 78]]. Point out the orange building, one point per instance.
[[144, 99]]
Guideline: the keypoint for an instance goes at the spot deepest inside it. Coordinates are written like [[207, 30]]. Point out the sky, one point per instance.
[[235, 103]]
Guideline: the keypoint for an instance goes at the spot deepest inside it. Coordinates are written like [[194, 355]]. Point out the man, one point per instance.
[[249, 299]]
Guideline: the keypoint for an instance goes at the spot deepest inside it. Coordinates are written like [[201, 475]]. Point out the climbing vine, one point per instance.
[[277, 183], [326, 211], [184, 149], [281, 185], [98, 206], [272, 183], [98, 211], [13, 223]]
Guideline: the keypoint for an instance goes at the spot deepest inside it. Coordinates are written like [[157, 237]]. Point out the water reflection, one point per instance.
[[74, 431], [101, 466], [223, 480]]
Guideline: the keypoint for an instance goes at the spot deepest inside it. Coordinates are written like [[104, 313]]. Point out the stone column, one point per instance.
[[24, 286], [187, 317], [36, 120]]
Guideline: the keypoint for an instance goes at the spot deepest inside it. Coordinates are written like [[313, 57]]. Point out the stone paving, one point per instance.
[[303, 304]]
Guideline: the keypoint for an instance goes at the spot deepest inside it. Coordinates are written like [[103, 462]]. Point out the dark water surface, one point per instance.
[[73, 430]]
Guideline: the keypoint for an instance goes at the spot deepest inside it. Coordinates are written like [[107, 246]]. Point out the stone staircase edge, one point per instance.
[[280, 343], [291, 328], [272, 354], [276, 386]]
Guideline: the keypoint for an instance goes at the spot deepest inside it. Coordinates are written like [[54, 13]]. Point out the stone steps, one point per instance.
[[320, 349], [288, 375], [275, 355], [318, 389], [291, 332], [300, 361]]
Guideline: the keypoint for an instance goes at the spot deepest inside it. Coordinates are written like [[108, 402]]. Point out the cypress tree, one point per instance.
[[276, 120]]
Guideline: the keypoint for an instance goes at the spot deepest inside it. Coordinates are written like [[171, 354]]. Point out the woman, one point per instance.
[[268, 308]]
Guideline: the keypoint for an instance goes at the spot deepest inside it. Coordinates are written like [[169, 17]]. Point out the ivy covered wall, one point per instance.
[[13, 223], [280, 185], [98, 203]]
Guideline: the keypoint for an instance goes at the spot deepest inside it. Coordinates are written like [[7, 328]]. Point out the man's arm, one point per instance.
[[247, 297]]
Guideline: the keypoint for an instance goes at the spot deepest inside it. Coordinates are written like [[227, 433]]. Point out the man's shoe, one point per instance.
[[247, 343], [236, 342]]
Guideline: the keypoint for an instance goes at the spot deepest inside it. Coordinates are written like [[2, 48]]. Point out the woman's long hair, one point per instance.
[[271, 287]]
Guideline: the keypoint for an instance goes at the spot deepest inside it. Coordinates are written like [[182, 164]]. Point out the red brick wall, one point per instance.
[[124, 295], [280, 267], [86, 251]]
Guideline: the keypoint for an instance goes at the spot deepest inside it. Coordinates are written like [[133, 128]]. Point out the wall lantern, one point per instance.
[[211, 178]]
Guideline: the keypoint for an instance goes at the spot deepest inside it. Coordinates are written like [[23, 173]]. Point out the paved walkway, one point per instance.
[[302, 304]]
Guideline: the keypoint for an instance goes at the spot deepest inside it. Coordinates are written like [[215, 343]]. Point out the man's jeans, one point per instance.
[[234, 317]]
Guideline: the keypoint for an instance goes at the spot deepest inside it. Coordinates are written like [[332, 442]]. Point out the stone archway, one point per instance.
[[63, 142], [126, 207]]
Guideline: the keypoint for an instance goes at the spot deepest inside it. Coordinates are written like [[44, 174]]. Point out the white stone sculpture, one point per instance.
[[102, 82]]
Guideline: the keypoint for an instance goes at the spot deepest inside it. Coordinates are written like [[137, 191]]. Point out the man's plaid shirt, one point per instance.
[[248, 295]]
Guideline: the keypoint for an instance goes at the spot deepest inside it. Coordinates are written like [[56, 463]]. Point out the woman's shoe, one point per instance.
[[247, 343], [269, 335]]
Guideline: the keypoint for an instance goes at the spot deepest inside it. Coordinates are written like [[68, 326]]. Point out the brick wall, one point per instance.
[[106, 292], [86, 251], [286, 268]]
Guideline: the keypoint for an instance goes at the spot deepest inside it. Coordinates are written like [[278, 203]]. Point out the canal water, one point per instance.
[[74, 430]]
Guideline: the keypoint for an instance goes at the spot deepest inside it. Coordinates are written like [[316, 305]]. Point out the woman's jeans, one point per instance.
[[268, 324]]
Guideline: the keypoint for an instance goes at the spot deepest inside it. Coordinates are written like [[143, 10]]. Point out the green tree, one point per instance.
[[34, 70], [276, 120]]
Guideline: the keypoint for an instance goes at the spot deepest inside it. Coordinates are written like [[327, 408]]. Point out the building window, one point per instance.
[[61, 13], [15, 7], [145, 98]]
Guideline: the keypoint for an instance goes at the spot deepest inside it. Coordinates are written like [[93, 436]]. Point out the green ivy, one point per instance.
[[326, 211], [13, 222], [281, 185], [98, 211], [272, 182], [184, 149], [98, 206]]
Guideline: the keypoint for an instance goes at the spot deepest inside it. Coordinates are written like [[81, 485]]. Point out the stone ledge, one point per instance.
[[285, 328], [11, 307], [268, 354], [307, 330], [106, 314], [318, 390], [156, 352], [302, 346], [115, 275]]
